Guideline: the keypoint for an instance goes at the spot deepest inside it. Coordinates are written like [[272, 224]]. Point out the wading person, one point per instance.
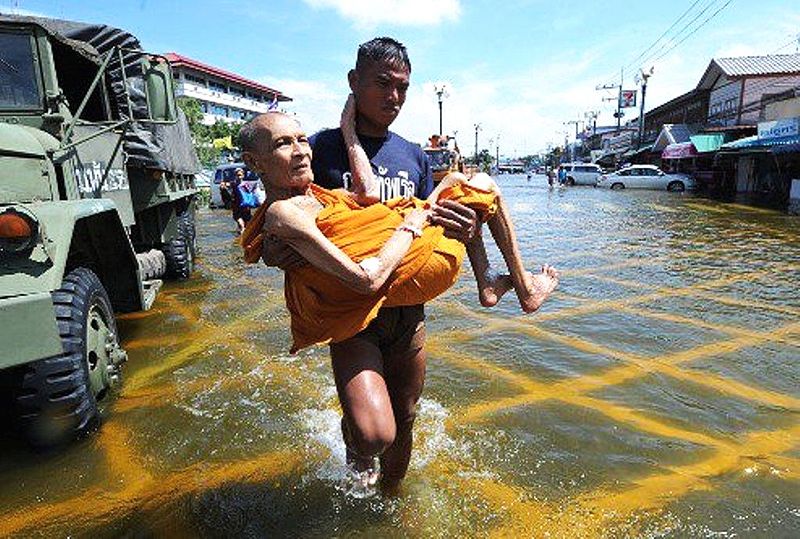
[[242, 201], [379, 393], [362, 258]]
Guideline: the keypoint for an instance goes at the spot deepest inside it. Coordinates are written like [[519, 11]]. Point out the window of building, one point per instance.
[[204, 106], [219, 110], [237, 91], [200, 81], [217, 86]]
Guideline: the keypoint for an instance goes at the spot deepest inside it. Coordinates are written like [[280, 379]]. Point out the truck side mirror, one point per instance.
[[158, 84]]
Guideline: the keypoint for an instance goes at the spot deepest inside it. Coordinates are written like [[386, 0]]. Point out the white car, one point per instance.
[[646, 177], [581, 173]]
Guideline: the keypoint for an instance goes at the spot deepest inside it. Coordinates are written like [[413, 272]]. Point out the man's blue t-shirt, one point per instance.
[[400, 166]]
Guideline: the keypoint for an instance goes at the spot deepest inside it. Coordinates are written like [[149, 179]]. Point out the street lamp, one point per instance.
[[441, 93], [642, 77], [477, 128]]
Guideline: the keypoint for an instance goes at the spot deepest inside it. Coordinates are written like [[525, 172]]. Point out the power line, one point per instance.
[[672, 41], [690, 34], [673, 25]]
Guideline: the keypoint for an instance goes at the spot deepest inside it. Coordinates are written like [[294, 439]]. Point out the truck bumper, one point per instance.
[[28, 329]]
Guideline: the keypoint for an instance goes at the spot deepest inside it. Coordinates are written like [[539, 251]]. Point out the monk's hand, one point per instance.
[[278, 254], [460, 222]]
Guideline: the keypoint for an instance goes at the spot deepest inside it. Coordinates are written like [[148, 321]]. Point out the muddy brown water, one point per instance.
[[656, 394]]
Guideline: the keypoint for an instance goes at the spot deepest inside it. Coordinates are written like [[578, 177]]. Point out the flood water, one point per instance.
[[656, 394]]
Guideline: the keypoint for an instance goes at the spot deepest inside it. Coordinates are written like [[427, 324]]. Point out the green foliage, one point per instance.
[[203, 135], [484, 162]]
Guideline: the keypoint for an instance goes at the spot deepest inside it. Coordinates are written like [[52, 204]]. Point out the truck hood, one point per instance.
[[26, 173]]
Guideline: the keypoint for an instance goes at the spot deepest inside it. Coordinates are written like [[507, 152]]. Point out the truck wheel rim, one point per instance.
[[97, 350]]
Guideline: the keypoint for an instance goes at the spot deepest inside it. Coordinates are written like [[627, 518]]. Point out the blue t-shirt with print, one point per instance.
[[401, 167]]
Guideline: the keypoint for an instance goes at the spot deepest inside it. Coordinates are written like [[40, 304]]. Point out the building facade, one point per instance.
[[223, 96], [737, 86]]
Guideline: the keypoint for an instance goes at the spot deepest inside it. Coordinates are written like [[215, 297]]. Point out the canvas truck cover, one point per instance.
[[163, 146]]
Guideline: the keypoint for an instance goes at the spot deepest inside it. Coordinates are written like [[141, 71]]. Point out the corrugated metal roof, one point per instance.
[[760, 65]]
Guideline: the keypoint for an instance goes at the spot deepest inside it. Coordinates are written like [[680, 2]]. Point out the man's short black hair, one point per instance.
[[383, 49]]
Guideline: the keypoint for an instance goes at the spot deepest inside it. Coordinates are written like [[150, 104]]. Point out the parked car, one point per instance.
[[581, 173], [226, 172], [646, 177]]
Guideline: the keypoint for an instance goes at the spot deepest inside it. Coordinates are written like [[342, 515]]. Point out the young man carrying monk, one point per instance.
[[380, 372]]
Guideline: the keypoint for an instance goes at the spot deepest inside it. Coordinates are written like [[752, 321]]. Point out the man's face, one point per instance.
[[283, 158], [380, 91]]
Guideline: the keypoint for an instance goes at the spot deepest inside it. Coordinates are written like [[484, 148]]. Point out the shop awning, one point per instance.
[[755, 143], [681, 150], [707, 142]]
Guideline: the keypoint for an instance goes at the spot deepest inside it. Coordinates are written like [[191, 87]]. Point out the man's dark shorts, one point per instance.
[[396, 330]]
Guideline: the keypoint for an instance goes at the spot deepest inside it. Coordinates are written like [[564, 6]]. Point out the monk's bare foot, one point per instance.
[[539, 287], [497, 285]]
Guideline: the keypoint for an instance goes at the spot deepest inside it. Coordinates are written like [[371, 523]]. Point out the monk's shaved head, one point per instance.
[[258, 130]]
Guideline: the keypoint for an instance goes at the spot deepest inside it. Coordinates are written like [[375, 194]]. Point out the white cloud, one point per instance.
[[370, 13]]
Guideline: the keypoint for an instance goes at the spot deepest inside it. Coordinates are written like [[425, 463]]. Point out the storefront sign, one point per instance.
[[785, 127]]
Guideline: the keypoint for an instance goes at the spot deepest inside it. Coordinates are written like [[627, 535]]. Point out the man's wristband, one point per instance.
[[415, 231]]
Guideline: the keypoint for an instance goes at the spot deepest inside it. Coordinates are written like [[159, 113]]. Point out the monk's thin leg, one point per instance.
[[491, 285], [531, 290]]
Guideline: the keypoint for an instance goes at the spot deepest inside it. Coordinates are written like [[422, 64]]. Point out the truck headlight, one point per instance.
[[19, 231]]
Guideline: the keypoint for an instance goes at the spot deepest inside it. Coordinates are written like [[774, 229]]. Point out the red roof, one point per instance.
[[178, 60]]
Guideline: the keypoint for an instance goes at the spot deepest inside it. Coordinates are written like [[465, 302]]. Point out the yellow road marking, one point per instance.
[[143, 376], [705, 207], [96, 507]]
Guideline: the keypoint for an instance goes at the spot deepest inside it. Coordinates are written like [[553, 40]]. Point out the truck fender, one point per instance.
[[87, 233]]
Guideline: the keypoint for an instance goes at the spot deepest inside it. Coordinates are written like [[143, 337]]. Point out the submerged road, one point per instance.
[[656, 394]]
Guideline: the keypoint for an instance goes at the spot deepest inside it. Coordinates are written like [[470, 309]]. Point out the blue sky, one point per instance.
[[520, 68]]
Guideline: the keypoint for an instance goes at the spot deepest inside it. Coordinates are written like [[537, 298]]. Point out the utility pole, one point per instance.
[[619, 114], [477, 128], [576, 122], [441, 93], [644, 76], [498, 151]]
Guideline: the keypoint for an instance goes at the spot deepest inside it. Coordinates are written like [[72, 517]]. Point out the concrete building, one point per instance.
[[738, 85], [223, 96]]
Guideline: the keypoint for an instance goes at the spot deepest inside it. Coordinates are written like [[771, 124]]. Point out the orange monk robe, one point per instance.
[[322, 308]]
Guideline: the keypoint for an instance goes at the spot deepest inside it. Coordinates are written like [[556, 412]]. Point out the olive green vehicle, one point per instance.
[[96, 206]]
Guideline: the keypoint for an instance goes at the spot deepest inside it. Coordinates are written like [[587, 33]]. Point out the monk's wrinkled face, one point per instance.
[[283, 158]]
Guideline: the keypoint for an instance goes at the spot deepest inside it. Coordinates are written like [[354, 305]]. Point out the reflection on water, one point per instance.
[[655, 394]]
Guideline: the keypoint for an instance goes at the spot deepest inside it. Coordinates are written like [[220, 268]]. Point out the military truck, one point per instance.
[[97, 203], [444, 156]]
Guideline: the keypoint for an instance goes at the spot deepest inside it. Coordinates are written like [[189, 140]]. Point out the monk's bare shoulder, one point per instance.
[[291, 217]]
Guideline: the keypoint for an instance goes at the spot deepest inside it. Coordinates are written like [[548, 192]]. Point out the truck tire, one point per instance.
[[56, 398], [153, 264], [187, 221], [179, 251]]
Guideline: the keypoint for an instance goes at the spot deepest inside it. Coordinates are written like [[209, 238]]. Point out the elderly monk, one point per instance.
[[362, 257]]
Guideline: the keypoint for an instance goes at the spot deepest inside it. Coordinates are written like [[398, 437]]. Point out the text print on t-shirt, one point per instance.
[[391, 186]]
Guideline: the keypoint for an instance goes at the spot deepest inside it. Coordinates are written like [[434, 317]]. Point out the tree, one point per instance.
[[203, 135]]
